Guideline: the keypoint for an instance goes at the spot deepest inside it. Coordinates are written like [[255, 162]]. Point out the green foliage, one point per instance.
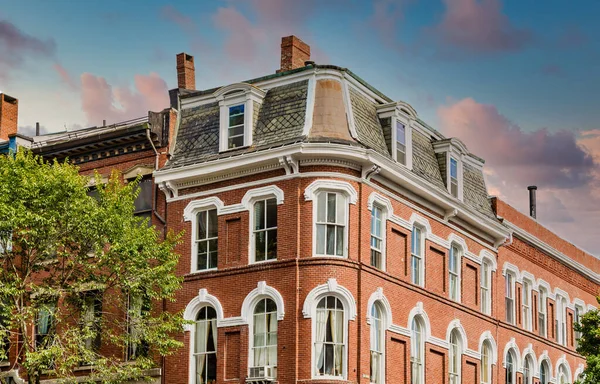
[[589, 345], [81, 259]]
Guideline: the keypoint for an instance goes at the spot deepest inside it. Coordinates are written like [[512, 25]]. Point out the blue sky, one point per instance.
[[521, 69]]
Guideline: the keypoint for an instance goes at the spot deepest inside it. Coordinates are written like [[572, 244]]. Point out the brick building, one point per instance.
[[332, 236]]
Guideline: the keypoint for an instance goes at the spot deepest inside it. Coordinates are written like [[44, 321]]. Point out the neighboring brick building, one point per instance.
[[331, 236]]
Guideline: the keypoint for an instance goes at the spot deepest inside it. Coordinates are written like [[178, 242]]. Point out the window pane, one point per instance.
[[341, 208], [236, 131], [453, 168], [143, 201], [236, 120], [272, 244], [212, 223], [259, 215], [330, 239], [331, 198], [260, 245], [201, 217], [400, 133], [236, 110], [340, 241], [271, 213], [321, 239], [236, 142], [213, 245], [321, 207]]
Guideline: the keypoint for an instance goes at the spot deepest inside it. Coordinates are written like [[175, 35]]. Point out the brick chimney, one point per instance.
[[294, 53], [186, 74], [9, 110]]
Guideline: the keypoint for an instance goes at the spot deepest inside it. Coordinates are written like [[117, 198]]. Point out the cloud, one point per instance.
[[170, 13], [100, 101], [16, 46], [65, 76], [552, 159], [479, 26], [386, 17], [564, 165], [572, 37]]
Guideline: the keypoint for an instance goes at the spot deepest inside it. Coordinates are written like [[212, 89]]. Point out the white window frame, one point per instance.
[[344, 190], [399, 112], [528, 370], [383, 224], [207, 239], [561, 320], [380, 333], [512, 292], [254, 231], [547, 370], [453, 149], [408, 151], [486, 346], [486, 291], [251, 324], [451, 355], [421, 257], [543, 310], [526, 309], [421, 349], [458, 176], [513, 365], [455, 248], [344, 370], [193, 352], [230, 96], [189, 214], [578, 311]]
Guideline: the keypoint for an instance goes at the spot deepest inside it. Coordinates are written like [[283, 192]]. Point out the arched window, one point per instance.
[[528, 370], [377, 344], [331, 222], [544, 373], [454, 265], [486, 363], [455, 357], [510, 368], [330, 345], [205, 345], [264, 347], [563, 377], [417, 350]]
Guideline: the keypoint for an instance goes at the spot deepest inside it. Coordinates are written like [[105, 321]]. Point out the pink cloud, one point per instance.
[[387, 14], [100, 101], [170, 13], [479, 26], [243, 40], [65, 76], [564, 166], [16, 46]]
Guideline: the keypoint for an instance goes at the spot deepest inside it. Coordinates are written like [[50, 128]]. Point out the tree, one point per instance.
[[589, 345], [82, 279]]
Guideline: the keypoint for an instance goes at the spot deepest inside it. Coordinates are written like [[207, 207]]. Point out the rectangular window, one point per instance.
[[45, 324], [453, 177], [400, 143], [576, 321], [526, 306], [331, 224], [235, 130], [510, 301], [207, 240], [376, 237], [542, 313], [485, 289], [265, 230], [91, 313], [416, 257], [137, 308], [453, 268]]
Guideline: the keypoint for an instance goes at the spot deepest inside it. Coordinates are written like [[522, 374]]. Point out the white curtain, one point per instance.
[[337, 322], [213, 328], [259, 340], [272, 339], [320, 336], [200, 349], [375, 364]]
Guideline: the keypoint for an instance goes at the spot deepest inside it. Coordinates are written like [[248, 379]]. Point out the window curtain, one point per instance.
[[337, 331], [260, 332], [201, 344], [44, 321], [272, 342], [321, 330], [375, 363]]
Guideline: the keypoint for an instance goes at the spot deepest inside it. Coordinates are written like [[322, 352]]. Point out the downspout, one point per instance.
[[159, 217]]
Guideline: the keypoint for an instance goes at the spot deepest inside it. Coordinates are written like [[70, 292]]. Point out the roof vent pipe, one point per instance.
[[37, 129], [532, 203]]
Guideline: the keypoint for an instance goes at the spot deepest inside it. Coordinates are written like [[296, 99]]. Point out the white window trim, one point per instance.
[[462, 345], [560, 310], [191, 311], [459, 174], [423, 324], [248, 201], [487, 336], [232, 95], [375, 199], [386, 322], [422, 256], [562, 362], [488, 299], [408, 133], [262, 291], [529, 295], [461, 251], [189, 214], [382, 250], [335, 186], [309, 311], [405, 114]]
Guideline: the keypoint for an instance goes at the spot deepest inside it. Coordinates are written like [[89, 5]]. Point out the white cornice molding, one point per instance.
[[331, 185], [262, 291], [331, 287], [553, 252]]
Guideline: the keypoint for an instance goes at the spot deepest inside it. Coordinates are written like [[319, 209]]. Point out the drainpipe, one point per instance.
[[156, 169]]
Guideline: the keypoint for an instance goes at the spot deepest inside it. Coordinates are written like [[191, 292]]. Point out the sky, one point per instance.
[[515, 80]]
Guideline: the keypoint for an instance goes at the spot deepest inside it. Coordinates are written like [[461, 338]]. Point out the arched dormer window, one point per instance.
[[237, 104]]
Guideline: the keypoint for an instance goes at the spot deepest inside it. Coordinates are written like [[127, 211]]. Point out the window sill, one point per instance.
[[263, 261], [202, 270], [330, 257], [4, 363], [234, 149]]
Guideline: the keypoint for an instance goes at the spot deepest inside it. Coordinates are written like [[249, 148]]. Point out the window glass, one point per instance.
[[265, 230], [510, 369], [207, 240], [236, 127], [45, 324], [400, 143], [526, 305], [486, 363], [416, 352], [509, 300], [453, 268], [205, 346], [485, 288], [528, 371], [264, 348], [376, 237], [137, 308], [377, 342], [91, 317], [454, 358], [416, 256], [544, 373], [542, 313], [453, 177], [330, 347], [143, 201], [331, 224]]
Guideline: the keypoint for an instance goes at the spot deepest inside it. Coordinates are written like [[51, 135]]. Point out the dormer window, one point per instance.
[[400, 142], [397, 119], [237, 104], [454, 177], [235, 131]]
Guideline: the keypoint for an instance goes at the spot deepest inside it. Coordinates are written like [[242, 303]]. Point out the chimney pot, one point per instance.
[[37, 128], [532, 202], [294, 53], [104, 123], [9, 113], [186, 72]]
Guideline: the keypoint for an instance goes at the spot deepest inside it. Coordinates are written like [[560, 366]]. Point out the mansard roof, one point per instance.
[[340, 108]]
